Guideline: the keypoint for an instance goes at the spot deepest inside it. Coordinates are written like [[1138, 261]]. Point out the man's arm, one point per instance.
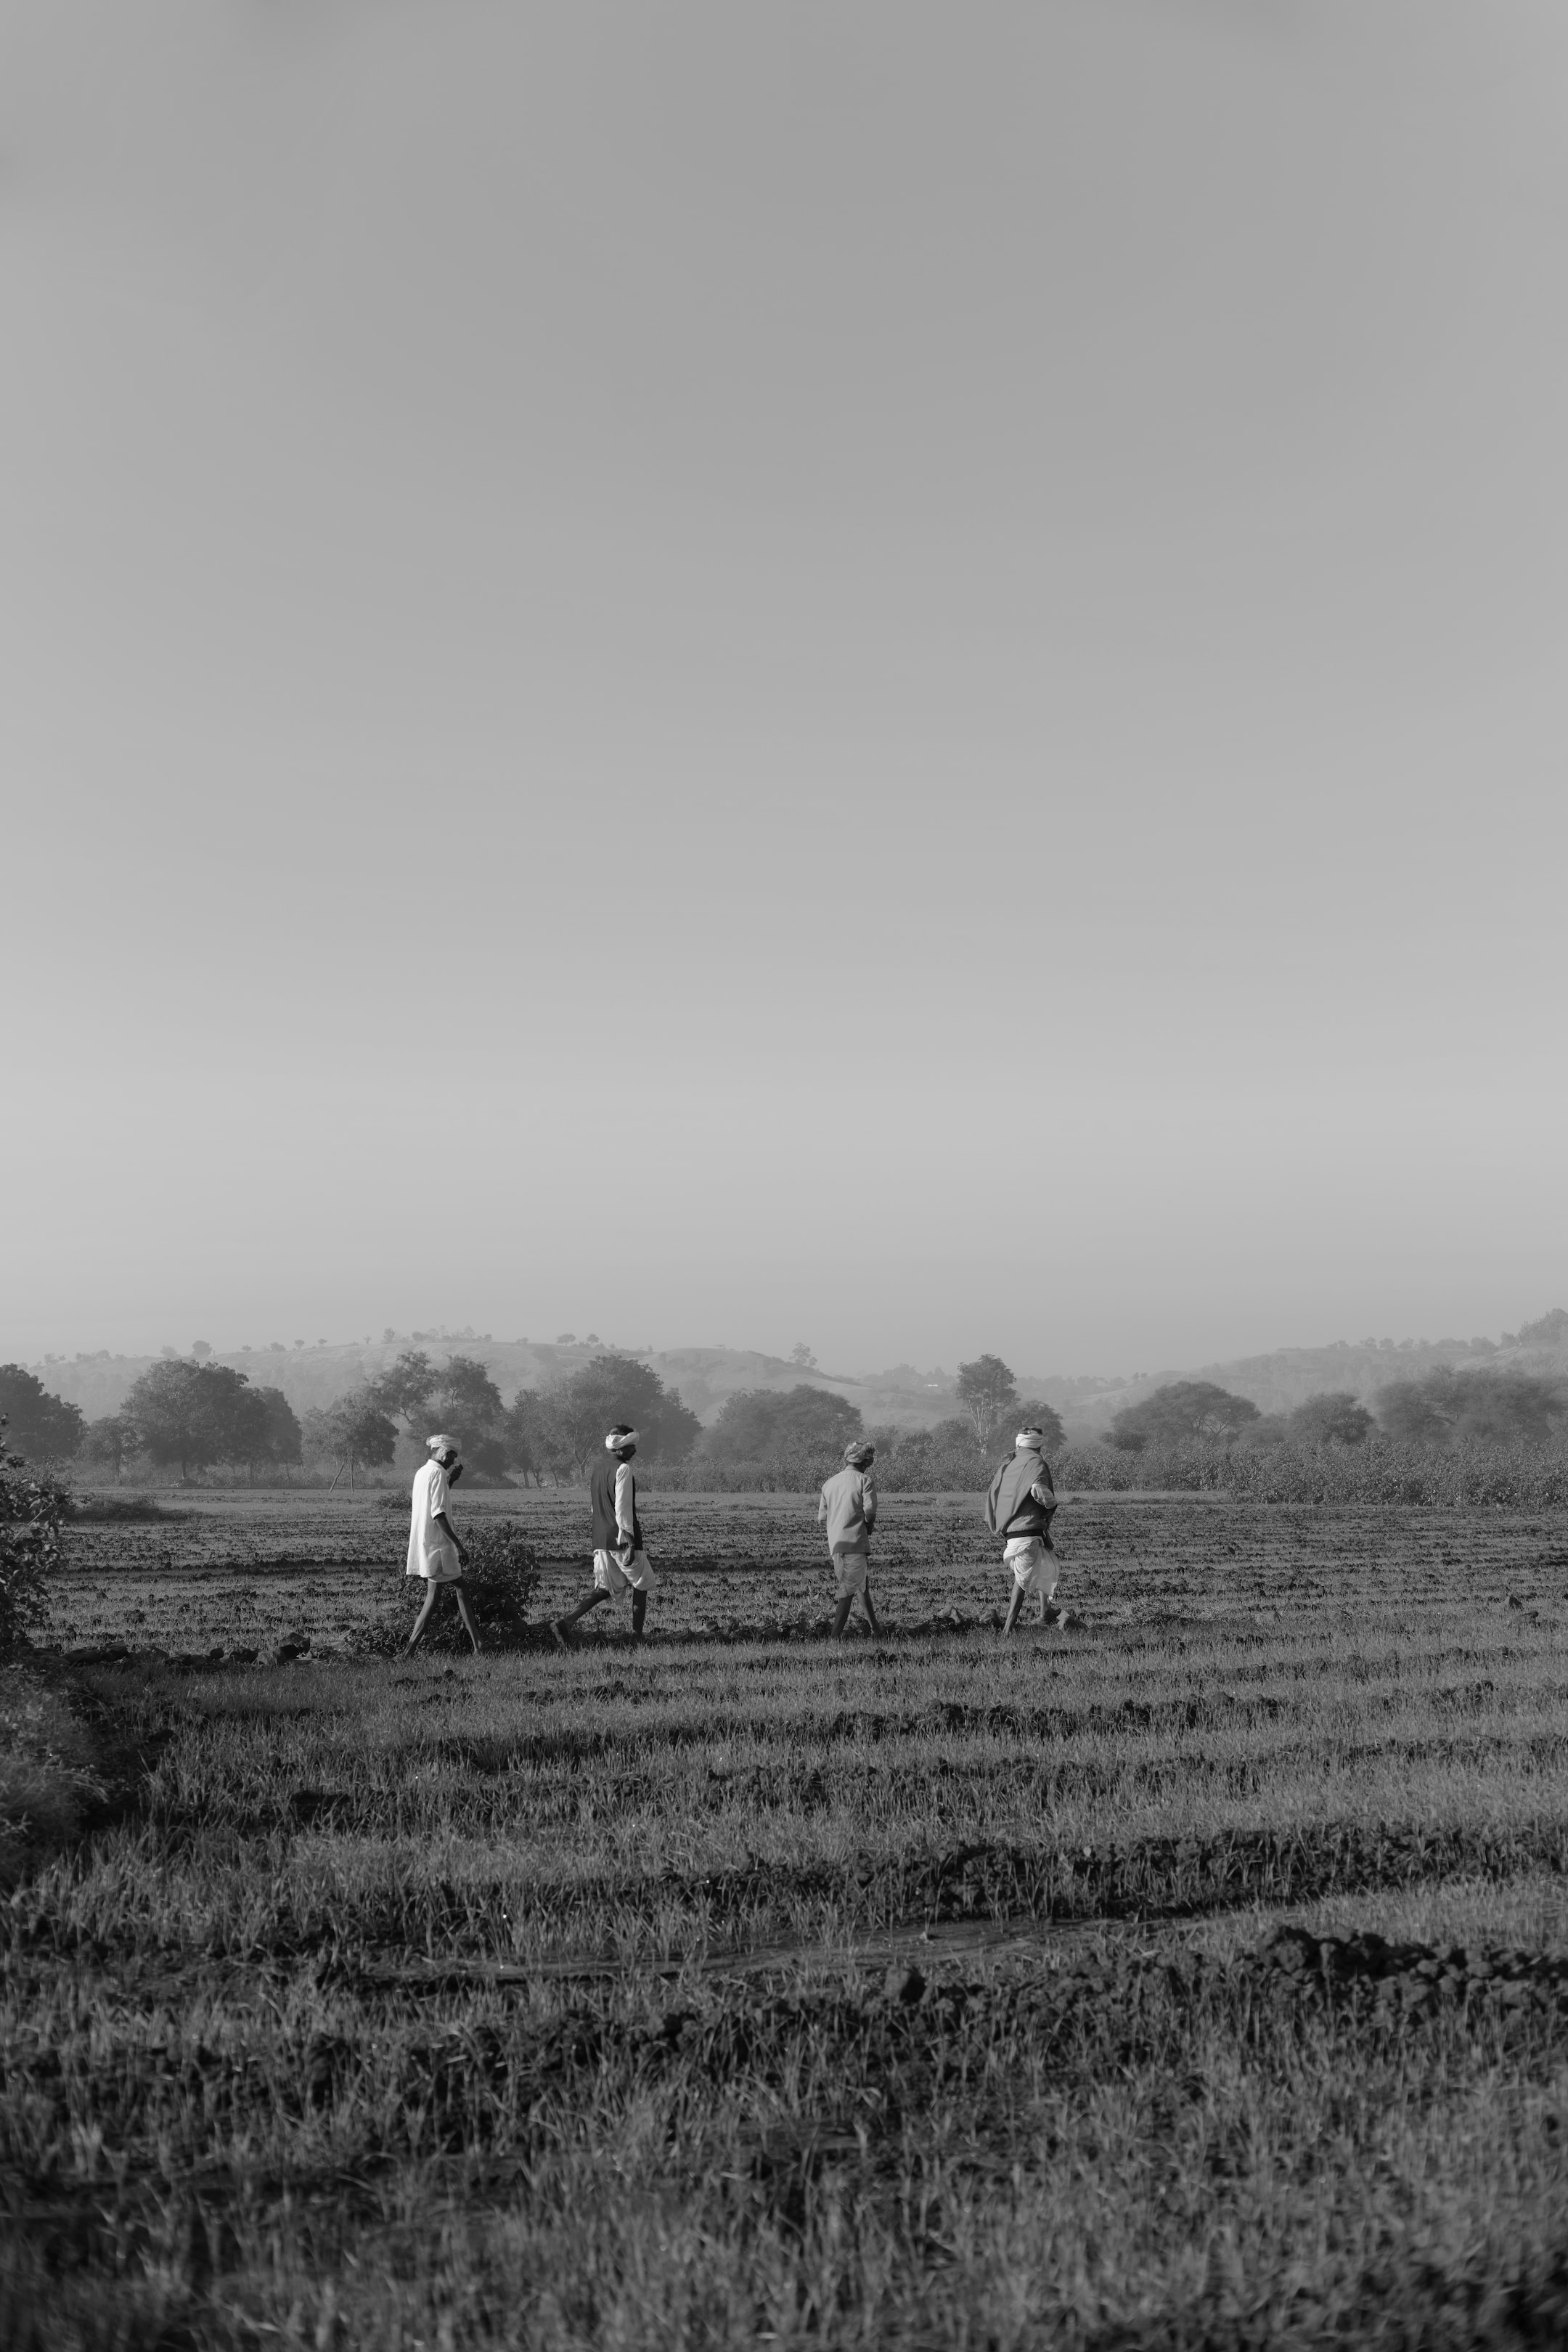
[[623, 1519], [451, 1532], [868, 1501]]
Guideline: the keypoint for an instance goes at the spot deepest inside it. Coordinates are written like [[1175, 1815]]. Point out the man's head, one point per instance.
[[442, 1450], [1031, 1440], [622, 1442], [859, 1454]]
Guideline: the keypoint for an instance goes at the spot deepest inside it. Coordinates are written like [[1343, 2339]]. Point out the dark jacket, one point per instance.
[[601, 1495], [1011, 1508]]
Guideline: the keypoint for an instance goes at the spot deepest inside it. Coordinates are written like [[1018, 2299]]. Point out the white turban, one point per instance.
[[441, 1446], [1031, 1440], [619, 1439]]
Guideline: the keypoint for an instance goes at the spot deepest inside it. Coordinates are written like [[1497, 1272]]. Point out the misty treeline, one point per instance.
[[1482, 1435]]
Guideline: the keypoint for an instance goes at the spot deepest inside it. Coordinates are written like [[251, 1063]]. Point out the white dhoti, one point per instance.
[[1034, 1566], [615, 1576], [849, 1568]]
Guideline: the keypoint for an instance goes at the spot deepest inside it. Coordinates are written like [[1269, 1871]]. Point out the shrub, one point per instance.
[[500, 1580], [32, 1542]]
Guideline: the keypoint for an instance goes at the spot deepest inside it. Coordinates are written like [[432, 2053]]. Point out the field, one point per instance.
[[1195, 1974]]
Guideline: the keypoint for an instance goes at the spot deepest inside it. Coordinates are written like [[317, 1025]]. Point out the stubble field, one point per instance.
[[1196, 1974]]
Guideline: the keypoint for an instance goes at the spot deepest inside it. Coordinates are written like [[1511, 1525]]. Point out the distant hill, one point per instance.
[[901, 1396]]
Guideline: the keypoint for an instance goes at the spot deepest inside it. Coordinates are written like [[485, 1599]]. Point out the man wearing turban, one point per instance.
[[435, 1550], [846, 1508], [1019, 1507], [620, 1563]]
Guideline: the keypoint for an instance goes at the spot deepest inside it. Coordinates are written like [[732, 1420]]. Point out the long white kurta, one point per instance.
[[430, 1555]]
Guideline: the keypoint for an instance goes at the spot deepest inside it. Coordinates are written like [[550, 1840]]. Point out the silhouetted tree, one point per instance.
[[761, 1424], [989, 1395], [43, 1426], [407, 1387], [1180, 1413], [110, 1441], [191, 1414], [1331, 1418], [575, 1414]]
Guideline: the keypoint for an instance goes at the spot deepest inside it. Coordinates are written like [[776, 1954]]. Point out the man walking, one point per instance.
[[846, 1506], [435, 1550], [1020, 1507], [620, 1563]]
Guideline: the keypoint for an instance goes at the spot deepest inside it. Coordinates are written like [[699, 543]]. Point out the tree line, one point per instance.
[[1443, 1408], [197, 1415]]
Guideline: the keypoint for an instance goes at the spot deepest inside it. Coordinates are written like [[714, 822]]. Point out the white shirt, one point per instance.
[[430, 1551]]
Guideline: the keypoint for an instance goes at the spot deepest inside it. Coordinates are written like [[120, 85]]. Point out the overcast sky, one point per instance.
[[871, 673]]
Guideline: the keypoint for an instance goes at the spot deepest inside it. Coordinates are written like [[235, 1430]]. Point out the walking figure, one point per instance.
[[435, 1550], [620, 1563], [846, 1506], [1020, 1507]]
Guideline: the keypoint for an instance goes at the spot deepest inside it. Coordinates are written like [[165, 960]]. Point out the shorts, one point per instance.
[[1034, 1567], [610, 1577], [850, 1568]]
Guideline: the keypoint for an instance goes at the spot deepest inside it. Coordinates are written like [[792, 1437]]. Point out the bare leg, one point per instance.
[[870, 1613], [461, 1598], [563, 1625], [424, 1617], [841, 1614], [1014, 1606], [639, 1614]]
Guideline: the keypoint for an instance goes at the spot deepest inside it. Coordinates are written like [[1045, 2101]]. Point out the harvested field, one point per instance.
[[1196, 1974]]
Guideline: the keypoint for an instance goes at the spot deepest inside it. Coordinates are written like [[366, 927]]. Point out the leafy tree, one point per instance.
[[758, 1424], [989, 1395], [469, 1405], [44, 1427], [1331, 1418], [352, 1431], [1032, 1414], [190, 1414], [31, 1546], [408, 1387], [801, 1354], [578, 1411], [1180, 1413], [265, 1433], [1447, 1407], [111, 1441], [1550, 1332]]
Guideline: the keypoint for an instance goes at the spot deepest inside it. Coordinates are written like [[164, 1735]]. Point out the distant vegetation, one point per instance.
[[1496, 1433]]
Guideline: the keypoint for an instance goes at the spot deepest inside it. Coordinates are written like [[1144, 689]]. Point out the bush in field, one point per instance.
[[1182, 1411], [501, 1580], [43, 1426], [1447, 1407], [32, 1543]]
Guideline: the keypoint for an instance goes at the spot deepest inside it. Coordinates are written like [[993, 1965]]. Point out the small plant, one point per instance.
[[33, 1511], [500, 1580]]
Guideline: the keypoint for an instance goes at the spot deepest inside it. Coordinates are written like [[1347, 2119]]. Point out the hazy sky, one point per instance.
[[872, 673]]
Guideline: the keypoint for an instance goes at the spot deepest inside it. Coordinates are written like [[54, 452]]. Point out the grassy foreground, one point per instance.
[[740, 1990]]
